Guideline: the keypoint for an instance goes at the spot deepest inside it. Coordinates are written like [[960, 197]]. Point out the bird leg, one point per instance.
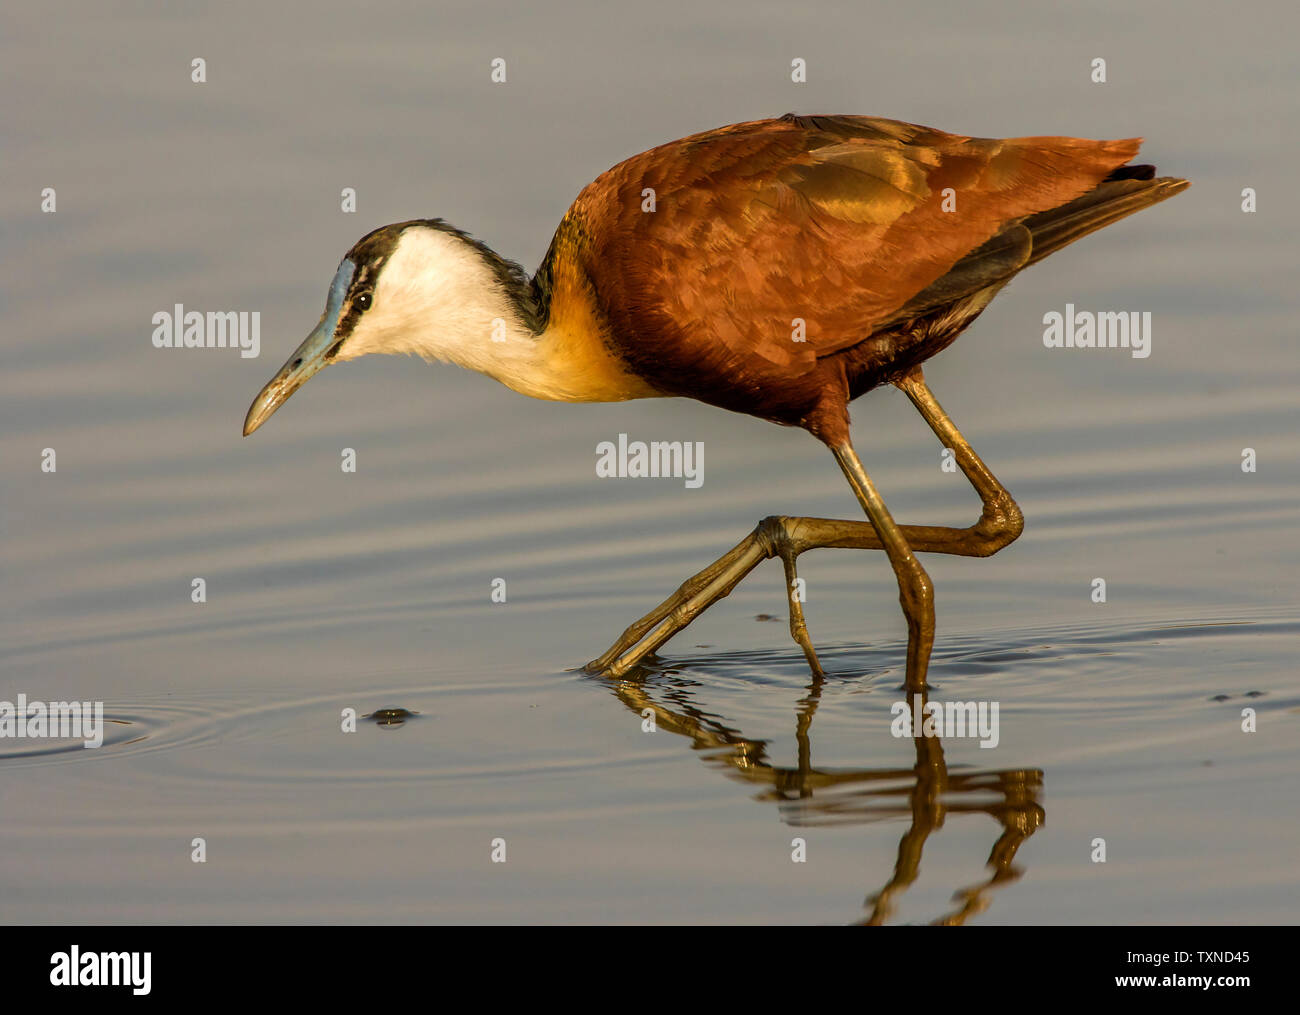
[[692, 598], [798, 629], [915, 590], [1000, 522]]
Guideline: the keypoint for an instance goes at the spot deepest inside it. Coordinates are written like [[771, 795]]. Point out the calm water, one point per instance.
[[328, 591]]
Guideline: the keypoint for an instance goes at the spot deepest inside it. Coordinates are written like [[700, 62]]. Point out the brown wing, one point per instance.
[[836, 220]]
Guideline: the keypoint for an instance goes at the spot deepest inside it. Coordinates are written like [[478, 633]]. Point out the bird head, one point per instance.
[[418, 287]]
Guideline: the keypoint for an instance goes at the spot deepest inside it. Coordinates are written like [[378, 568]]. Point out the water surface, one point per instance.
[[329, 591]]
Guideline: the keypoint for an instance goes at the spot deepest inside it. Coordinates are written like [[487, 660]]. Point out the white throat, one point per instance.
[[440, 297], [437, 297]]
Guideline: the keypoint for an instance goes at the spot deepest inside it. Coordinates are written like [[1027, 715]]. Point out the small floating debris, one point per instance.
[[390, 716]]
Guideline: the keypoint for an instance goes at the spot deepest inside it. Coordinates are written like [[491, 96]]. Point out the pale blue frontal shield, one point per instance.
[[338, 289], [307, 358]]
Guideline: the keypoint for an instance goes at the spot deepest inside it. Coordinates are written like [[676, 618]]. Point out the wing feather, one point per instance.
[[842, 222]]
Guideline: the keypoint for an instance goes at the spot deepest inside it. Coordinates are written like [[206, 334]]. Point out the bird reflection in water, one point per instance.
[[809, 796]]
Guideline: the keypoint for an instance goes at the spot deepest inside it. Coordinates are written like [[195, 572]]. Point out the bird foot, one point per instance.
[[772, 537]]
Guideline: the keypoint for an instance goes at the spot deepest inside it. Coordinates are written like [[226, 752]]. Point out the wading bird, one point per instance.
[[884, 238]]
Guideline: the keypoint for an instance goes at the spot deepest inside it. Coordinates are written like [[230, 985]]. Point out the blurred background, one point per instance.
[[328, 590]]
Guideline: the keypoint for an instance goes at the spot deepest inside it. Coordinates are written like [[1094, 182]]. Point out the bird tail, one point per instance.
[[1127, 190]]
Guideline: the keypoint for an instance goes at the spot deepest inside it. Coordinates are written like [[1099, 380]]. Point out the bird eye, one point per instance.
[[362, 301]]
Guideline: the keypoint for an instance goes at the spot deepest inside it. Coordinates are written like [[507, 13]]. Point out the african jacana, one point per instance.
[[885, 238]]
